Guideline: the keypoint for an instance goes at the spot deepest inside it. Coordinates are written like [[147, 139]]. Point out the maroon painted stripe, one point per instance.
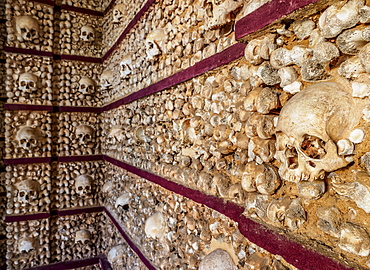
[[80, 158], [302, 258], [128, 28], [82, 10], [27, 107], [109, 7], [229, 209], [79, 109], [70, 212], [130, 243], [27, 51], [69, 265], [14, 161], [26, 217], [266, 14], [295, 254], [230, 54]]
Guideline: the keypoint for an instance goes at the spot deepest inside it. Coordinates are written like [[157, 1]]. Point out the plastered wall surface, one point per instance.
[[101, 100]]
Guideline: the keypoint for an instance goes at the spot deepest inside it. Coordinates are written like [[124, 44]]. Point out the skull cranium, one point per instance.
[[87, 33], [220, 12], [87, 86], [26, 244], [115, 135], [83, 236], [309, 126], [119, 12], [115, 255], [126, 66], [85, 134], [27, 191], [28, 83], [27, 28], [83, 185], [107, 79], [28, 137], [153, 43]]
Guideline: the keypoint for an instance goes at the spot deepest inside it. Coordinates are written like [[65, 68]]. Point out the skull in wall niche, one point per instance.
[[119, 12], [126, 66], [83, 185], [28, 137], [86, 86], [27, 28], [83, 236], [153, 42], [28, 83], [220, 13], [115, 255], [27, 191], [87, 33], [309, 127], [85, 134], [107, 80], [27, 244]]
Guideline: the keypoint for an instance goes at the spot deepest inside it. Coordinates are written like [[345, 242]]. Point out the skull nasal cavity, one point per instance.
[[313, 147]]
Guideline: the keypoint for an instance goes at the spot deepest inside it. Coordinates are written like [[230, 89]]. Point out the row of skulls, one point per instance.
[[28, 29]]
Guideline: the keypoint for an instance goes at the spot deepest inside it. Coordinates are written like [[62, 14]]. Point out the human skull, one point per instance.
[[309, 126], [155, 225], [219, 13], [107, 79], [27, 28], [83, 185], [116, 134], [28, 83], [123, 201], [153, 42], [87, 33], [87, 86], [115, 255], [219, 259], [126, 66], [83, 236], [26, 244], [119, 12], [85, 134], [27, 191], [28, 137]]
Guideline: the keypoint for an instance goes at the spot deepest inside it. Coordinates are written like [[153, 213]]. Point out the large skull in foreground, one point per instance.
[[27, 28], [27, 83], [27, 191], [28, 137], [85, 134], [153, 43], [83, 236], [309, 127]]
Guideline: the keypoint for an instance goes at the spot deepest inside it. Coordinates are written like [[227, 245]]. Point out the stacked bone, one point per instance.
[[176, 232]]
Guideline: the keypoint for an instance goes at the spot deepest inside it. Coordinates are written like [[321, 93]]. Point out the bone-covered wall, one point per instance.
[[184, 134]]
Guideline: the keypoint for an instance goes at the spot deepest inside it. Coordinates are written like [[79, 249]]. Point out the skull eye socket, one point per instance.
[[84, 33], [292, 158], [23, 83], [313, 147], [24, 30], [80, 188], [31, 84], [33, 32], [22, 141], [83, 86], [22, 194]]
